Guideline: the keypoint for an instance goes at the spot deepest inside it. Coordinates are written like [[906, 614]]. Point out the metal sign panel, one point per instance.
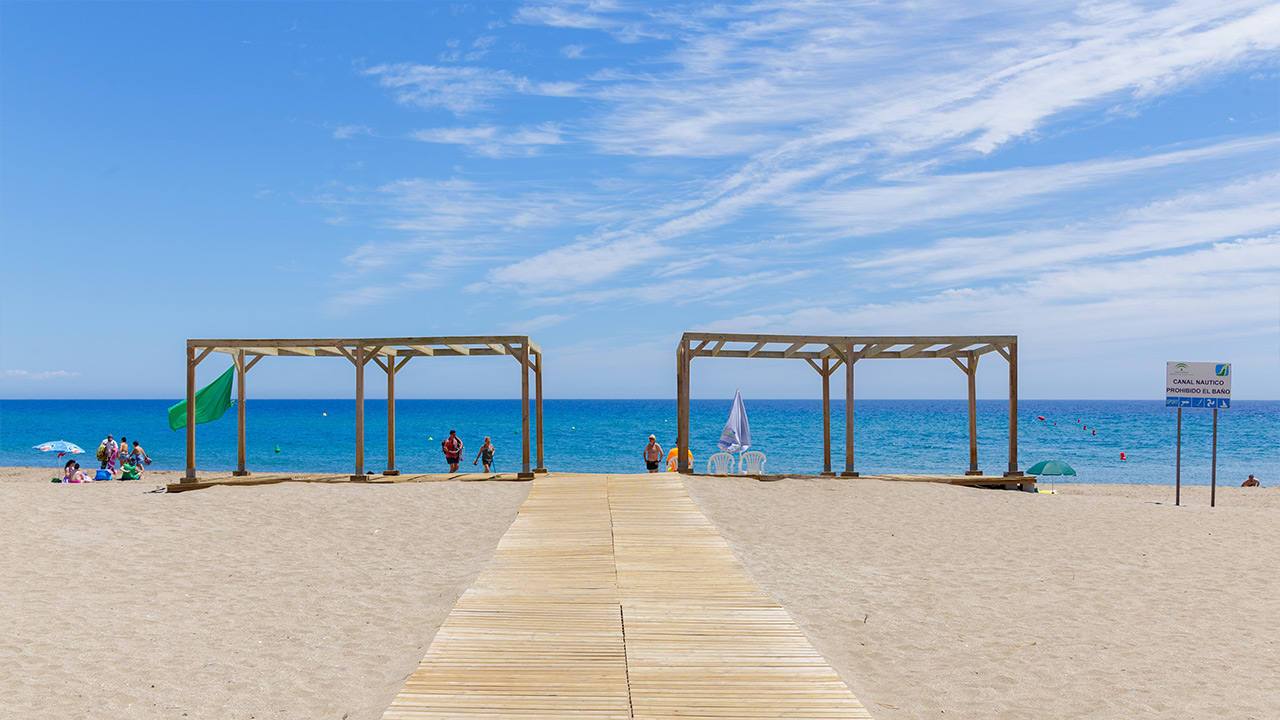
[[1197, 385]]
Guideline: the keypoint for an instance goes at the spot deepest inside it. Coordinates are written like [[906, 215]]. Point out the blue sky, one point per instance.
[[1102, 179]]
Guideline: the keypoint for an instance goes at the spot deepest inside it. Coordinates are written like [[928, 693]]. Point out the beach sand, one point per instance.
[[316, 601], [295, 601], [1100, 601]]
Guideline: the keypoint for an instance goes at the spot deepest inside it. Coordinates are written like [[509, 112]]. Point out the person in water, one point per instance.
[[452, 447], [1251, 482], [672, 464], [485, 454], [652, 454]]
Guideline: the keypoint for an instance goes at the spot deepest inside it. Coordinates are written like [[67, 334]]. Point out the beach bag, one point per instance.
[[102, 475], [102, 452]]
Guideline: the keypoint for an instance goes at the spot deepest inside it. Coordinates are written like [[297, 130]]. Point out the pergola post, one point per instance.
[[826, 417], [359, 360], [537, 394], [1013, 411], [682, 399], [972, 372], [525, 472], [190, 475], [240, 470], [848, 414], [391, 367]]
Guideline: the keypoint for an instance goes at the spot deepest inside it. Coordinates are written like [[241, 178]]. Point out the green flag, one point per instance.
[[212, 401]]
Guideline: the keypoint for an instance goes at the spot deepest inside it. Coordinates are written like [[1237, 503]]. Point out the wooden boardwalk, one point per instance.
[[615, 597]]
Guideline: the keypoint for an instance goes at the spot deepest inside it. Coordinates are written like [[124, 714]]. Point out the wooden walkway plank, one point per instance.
[[615, 597], [539, 634]]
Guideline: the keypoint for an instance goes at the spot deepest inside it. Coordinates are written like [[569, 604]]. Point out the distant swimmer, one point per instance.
[[1251, 482]]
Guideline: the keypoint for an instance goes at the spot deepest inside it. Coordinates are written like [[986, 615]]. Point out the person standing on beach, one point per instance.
[[652, 454], [452, 447], [485, 454], [139, 456], [106, 451]]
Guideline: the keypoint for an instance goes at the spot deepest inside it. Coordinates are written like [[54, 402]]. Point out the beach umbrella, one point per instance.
[[736, 435], [1051, 468], [62, 447]]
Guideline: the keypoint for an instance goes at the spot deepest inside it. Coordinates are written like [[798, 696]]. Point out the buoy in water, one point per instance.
[[277, 448], [1122, 457], [1040, 418], [324, 414]]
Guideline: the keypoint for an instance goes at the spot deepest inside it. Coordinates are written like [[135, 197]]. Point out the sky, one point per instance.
[[1100, 179]]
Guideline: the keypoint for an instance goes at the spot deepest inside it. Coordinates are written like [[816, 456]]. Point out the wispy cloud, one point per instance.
[[346, 132], [39, 375], [831, 122], [495, 142], [459, 89]]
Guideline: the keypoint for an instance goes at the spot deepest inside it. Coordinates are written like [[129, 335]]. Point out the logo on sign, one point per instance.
[[1222, 370]]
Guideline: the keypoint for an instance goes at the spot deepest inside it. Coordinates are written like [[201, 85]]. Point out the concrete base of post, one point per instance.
[[359, 478], [540, 471], [972, 472], [240, 473], [391, 472], [848, 473], [524, 476]]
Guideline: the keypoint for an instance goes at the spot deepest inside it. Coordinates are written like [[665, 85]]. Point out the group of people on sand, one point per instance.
[[121, 458], [653, 455], [452, 447]]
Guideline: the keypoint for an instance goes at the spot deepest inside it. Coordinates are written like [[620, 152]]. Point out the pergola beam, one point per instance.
[[389, 354], [847, 350]]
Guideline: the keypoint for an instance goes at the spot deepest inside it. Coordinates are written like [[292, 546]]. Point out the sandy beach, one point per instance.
[[316, 600], [282, 601], [1103, 601]]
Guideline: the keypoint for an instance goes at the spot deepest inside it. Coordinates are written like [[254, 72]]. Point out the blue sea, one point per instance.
[[902, 436]]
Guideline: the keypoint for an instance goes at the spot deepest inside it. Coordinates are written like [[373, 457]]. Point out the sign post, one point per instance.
[[1197, 385]]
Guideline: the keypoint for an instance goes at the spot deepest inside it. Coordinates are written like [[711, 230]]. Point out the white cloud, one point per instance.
[[540, 322], [346, 132], [39, 375], [492, 141], [459, 89], [1240, 209], [573, 52]]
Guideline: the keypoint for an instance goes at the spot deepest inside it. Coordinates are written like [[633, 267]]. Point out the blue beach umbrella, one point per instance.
[[62, 447]]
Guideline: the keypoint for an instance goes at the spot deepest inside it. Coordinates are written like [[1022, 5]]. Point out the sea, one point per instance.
[[891, 436]]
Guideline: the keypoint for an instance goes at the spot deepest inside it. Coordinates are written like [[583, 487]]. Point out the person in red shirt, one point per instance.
[[452, 447]]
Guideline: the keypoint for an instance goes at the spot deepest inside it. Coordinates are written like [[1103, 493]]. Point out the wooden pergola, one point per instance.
[[827, 353], [390, 354]]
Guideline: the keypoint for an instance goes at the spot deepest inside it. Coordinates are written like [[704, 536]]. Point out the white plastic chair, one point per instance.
[[753, 462], [720, 464]]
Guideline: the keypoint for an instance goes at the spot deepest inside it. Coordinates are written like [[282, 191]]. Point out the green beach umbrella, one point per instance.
[[1051, 468]]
